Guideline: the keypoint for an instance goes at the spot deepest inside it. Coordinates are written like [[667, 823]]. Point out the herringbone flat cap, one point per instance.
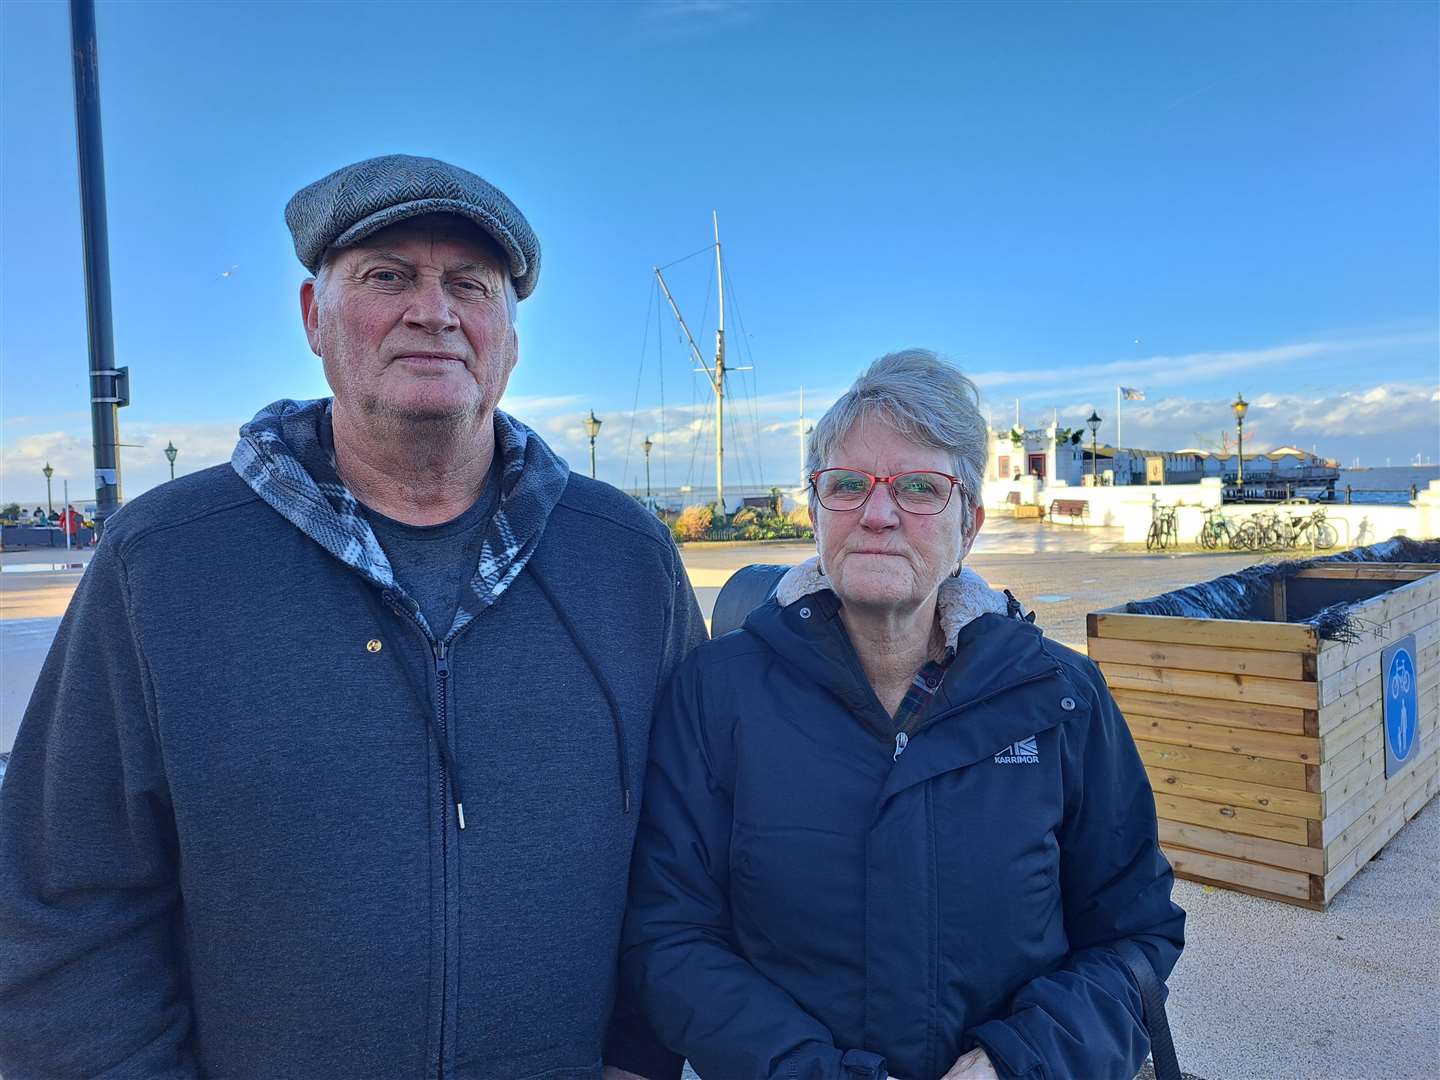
[[360, 199]]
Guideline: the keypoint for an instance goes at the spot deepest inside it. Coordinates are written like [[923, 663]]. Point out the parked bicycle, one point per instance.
[[1216, 530], [1259, 532], [1312, 530], [1162, 528]]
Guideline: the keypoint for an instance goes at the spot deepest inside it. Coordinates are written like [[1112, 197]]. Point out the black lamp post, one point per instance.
[[1094, 423], [1240, 405], [49, 504], [647, 446], [592, 428], [170, 453]]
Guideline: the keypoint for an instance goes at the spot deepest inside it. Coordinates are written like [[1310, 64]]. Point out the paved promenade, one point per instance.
[[1263, 990]]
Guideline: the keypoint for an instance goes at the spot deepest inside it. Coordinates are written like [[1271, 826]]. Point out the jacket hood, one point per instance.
[[961, 601], [284, 455]]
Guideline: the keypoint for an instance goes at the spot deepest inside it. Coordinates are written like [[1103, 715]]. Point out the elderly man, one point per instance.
[[335, 764]]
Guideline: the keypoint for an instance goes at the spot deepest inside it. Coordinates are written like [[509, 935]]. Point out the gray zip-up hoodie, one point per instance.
[[230, 836]]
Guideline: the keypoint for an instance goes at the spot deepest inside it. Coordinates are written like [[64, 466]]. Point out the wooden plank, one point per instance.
[[1217, 789], [1336, 766], [1277, 599], [1246, 688], [1354, 782], [1216, 868], [1212, 710], [1369, 571], [1250, 848], [1256, 770], [1378, 792], [1265, 744], [1225, 633], [1274, 665], [1341, 682], [1364, 695], [1405, 786], [1384, 831], [1337, 738], [1231, 818], [1337, 655], [1370, 726]]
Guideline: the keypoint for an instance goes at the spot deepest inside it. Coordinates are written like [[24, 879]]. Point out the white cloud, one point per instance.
[[1162, 370], [142, 464]]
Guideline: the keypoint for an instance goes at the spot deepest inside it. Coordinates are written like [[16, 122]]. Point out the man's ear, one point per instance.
[[310, 314]]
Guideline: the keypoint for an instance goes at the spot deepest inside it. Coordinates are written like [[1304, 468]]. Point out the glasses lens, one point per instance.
[[922, 492], [841, 489]]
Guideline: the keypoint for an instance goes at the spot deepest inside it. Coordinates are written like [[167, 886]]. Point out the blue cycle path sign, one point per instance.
[[1401, 690]]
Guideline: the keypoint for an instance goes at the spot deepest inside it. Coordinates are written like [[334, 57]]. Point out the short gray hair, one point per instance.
[[924, 398]]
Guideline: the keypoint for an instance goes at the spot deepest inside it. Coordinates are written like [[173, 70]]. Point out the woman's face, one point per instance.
[[880, 557]]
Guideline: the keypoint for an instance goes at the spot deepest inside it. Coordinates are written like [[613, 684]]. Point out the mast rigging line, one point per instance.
[[754, 375], [686, 258], [715, 374], [639, 375]]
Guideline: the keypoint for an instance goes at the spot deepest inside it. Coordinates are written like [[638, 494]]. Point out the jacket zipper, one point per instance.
[[442, 687], [440, 650], [902, 738]]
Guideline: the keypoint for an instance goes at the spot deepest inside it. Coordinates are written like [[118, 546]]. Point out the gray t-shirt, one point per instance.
[[433, 563]]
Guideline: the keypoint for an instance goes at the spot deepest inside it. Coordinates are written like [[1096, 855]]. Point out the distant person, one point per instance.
[[70, 522], [888, 824], [335, 766], [39, 516]]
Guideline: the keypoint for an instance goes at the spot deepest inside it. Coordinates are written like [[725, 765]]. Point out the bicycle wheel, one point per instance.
[[1325, 535], [1152, 538], [1207, 538]]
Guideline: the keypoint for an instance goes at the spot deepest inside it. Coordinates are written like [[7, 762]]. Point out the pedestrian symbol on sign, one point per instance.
[[1401, 704]]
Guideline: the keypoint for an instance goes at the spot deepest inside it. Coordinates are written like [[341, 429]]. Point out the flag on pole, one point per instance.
[[1129, 393]]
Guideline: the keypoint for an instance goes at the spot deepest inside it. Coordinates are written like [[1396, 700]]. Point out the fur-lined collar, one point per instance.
[[962, 599]]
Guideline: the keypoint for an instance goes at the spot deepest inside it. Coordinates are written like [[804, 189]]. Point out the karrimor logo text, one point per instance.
[[1024, 752]]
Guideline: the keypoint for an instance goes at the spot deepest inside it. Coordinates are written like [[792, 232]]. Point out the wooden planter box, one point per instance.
[[1264, 744]]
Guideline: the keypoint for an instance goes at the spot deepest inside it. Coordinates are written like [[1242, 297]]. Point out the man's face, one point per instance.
[[413, 323]]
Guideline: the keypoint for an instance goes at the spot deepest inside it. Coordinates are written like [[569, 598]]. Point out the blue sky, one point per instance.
[[1193, 199]]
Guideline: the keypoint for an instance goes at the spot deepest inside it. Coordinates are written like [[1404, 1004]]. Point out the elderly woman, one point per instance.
[[888, 825]]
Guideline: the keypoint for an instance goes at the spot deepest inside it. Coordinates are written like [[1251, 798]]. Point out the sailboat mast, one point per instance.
[[719, 376]]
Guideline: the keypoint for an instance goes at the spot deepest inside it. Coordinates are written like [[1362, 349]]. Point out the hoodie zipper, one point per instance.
[[902, 738], [440, 652], [442, 702]]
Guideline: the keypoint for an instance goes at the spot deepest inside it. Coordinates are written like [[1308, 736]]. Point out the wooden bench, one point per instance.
[[1074, 509]]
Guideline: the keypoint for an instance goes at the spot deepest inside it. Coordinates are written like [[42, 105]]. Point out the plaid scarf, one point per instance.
[[282, 455]]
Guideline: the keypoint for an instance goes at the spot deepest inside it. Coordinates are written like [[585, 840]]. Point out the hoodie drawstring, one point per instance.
[[598, 673]]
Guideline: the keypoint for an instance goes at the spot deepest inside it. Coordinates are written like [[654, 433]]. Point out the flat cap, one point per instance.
[[360, 199]]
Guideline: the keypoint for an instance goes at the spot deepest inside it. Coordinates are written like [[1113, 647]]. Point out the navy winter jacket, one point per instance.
[[229, 844], [809, 901]]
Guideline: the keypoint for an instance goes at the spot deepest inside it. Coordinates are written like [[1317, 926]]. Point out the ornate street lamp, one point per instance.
[[647, 446], [592, 428], [49, 505], [1094, 423], [170, 453], [1240, 405]]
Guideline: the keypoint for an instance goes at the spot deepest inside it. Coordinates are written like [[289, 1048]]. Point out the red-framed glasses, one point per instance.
[[920, 491]]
